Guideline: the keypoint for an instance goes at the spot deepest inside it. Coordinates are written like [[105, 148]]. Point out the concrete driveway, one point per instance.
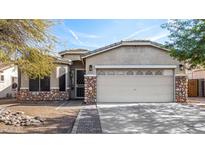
[[152, 118]]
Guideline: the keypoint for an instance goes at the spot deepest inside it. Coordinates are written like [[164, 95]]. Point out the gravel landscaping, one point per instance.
[[19, 118], [38, 117]]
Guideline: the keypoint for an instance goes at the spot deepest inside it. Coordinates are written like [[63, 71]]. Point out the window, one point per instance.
[[158, 73], [2, 78], [148, 73], [45, 84], [62, 79], [62, 83], [139, 73], [39, 84], [14, 82], [130, 73], [34, 84], [90, 67]]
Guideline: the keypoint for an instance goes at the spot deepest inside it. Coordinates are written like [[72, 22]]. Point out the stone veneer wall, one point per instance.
[[53, 94], [181, 88], [90, 89]]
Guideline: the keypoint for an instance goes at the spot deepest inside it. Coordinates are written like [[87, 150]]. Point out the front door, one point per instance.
[[79, 83]]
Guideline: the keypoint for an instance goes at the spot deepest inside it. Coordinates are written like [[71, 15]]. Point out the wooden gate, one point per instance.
[[192, 87]]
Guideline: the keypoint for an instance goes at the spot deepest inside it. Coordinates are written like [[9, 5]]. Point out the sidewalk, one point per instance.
[[199, 101], [88, 121]]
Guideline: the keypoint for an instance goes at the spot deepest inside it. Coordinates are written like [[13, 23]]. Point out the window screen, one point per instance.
[[80, 76], [34, 84], [62, 83], [45, 84], [2, 77], [39, 84]]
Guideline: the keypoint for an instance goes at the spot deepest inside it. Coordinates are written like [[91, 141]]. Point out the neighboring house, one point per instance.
[[196, 74], [8, 81], [127, 71]]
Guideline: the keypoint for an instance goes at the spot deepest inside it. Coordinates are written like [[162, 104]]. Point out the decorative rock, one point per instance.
[[19, 119], [39, 118]]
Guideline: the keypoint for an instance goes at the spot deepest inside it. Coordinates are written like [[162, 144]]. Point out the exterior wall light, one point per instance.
[[90, 67], [181, 67]]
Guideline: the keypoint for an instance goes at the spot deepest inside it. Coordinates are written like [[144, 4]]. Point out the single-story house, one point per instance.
[[126, 71], [8, 80]]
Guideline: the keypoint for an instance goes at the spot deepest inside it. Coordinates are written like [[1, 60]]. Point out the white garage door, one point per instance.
[[135, 86]]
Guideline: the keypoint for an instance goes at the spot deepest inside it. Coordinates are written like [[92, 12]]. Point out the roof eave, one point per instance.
[[7, 67]]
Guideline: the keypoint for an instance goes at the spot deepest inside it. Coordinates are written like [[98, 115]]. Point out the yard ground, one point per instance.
[[149, 118], [59, 116], [152, 118]]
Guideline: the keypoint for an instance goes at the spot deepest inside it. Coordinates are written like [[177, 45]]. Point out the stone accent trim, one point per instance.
[[181, 89], [90, 89], [52, 95]]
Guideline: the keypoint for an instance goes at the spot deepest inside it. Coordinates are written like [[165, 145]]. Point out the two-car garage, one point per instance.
[[135, 84], [133, 71]]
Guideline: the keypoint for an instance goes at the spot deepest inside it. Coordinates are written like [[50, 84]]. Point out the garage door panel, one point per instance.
[[116, 88]]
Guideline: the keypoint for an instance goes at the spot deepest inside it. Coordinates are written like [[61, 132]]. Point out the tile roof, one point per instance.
[[127, 42], [4, 66], [74, 51]]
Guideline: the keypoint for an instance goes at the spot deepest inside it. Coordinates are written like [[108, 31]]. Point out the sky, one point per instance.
[[92, 34]]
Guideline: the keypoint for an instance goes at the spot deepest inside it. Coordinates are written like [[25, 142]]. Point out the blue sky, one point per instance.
[[92, 34]]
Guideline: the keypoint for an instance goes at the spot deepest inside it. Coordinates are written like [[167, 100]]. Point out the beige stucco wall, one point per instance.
[[24, 81], [54, 82], [132, 55]]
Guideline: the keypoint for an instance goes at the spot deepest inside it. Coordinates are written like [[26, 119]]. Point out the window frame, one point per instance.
[[39, 89], [45, 79], [64, 81], [2, 75], [149, 72]]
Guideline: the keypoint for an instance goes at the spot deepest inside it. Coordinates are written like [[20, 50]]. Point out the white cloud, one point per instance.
[[157, 37], [78, 35], [78, 41], [75, 36], [85, 35], [134, 34], [85, 44]]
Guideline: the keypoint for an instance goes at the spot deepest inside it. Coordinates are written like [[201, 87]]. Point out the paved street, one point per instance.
[[152, 118]]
